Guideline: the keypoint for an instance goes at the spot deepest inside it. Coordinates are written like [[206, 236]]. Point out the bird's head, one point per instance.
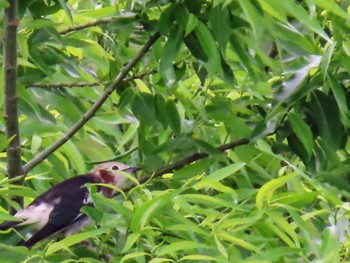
[[111, 173]]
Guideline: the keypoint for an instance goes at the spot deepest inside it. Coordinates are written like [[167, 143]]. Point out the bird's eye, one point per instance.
[[115, 167]]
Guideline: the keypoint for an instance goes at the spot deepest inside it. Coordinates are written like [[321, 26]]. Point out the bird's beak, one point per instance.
[[131, 169]]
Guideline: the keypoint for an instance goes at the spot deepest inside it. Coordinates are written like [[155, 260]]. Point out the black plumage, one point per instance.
[[58, 209]]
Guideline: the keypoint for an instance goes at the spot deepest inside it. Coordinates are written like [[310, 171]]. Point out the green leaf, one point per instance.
[[93, 213], [326, 59], [274, 254], [167, 19], [220, 26], [275, 8], [182, 15], [237, 241], [102, 11], [240, 222], [74, 239], [131, 240], [101, 202], [161, 114], [4, 4], [198, 258], [266, 192], [170, 51], [160, 260], [302, 131], [210, 48], [126, 98], [332, 7], [209, 200], [227, 72], [4, 142], [23, 46], [215, 185], [173, 116], [4, 216], [299, 200], [192, 169], [331, 247], [220, 246], [282, 228], [253, 17], [326, 115], [226, 171], [143, 213], [206, 147], [181, 246], [36, 142], [191, 24], [74, 156], [297, 11], [66, 9], [18, 190], [129, 135], [193, 44], [129, 256], [144, 107], [14, 253], [39, 23], [340, 98]]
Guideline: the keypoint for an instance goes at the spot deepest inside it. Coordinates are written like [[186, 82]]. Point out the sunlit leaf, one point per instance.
[[266, 192], [74, 239]]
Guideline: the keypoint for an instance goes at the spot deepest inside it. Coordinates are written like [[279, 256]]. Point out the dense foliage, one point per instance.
[[274, 72]]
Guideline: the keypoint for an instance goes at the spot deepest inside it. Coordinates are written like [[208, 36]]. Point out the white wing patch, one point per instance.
[[35, 214], [87, 199]]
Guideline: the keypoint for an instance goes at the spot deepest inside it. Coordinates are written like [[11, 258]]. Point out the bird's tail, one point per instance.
[[6, 225]]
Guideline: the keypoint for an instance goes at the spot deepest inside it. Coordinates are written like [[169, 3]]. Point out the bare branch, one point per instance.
[[63, 85], [108, 90], [197, 156], [187, 160], [83, 84], [95, 23], [14, 164]]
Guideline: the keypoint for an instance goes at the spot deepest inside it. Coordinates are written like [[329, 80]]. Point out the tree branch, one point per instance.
[[187, 160], [108, 90], [83, 84], [95, 23], [197, 156], [63, 85], [14, 164]]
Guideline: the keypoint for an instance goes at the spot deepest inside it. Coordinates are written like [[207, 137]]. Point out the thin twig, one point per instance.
[[108, 90], [197, 156], [14, 163], [95, 23], [185, 161], [139, 76], [63, 85], [84, 84]]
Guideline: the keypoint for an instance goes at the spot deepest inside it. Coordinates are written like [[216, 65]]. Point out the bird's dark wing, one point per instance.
[[67, 199], [60, 217]]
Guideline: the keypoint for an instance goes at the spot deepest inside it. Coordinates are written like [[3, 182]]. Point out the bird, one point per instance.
[[57, 211]]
